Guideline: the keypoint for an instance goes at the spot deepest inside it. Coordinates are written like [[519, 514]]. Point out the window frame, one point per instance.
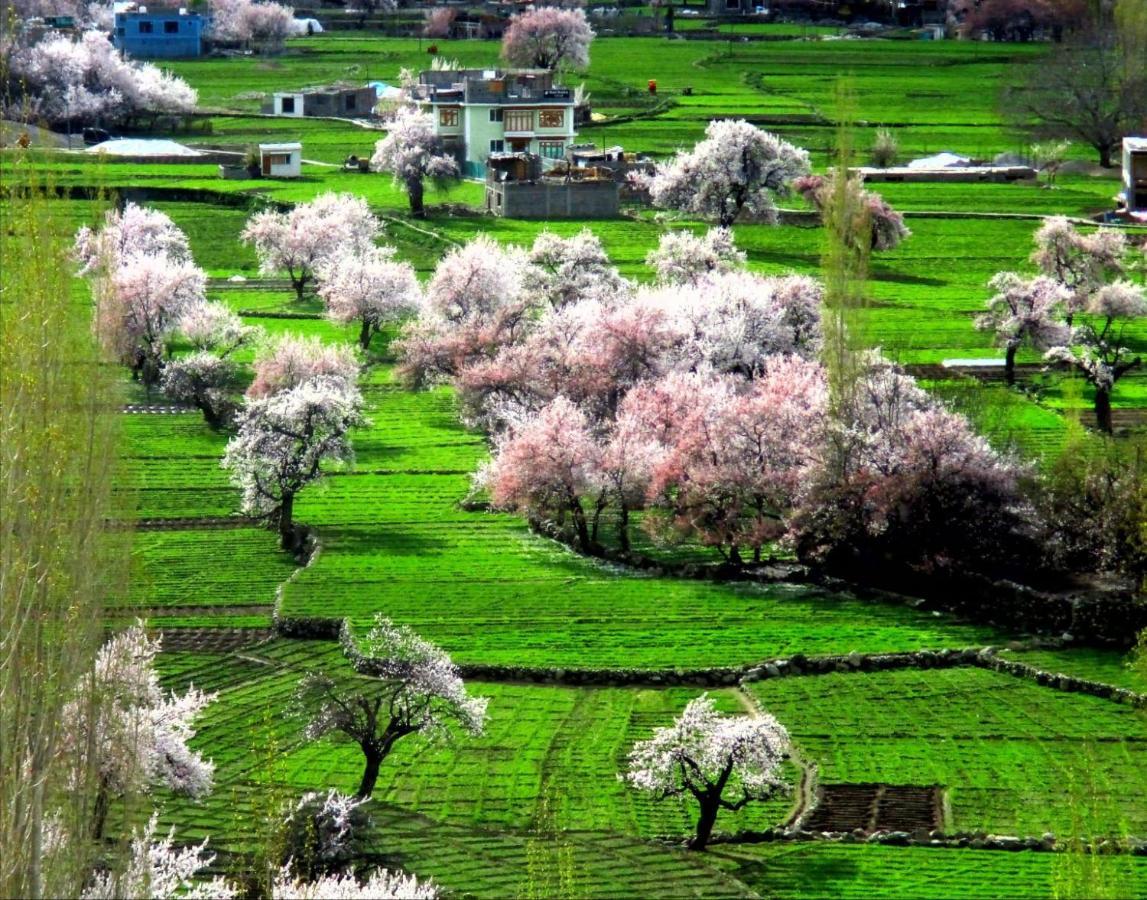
[[559, 114], [515, 119], [448, 116], [171, 26]]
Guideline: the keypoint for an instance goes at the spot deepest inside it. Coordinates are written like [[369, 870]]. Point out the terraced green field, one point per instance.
[[533, 808]]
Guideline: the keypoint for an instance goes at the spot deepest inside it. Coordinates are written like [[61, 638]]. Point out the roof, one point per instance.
[[1135, 144], [278, 148]]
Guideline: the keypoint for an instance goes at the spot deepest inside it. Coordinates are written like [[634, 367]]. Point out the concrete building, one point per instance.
[[517, 188], [281, 160], [1135, 174], [164, 34], [482, 111], [343, 102]]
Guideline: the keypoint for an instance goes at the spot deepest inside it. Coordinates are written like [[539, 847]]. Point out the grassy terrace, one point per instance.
[[533, 808]]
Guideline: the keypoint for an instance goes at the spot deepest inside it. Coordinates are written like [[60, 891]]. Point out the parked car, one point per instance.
[[94, 136]]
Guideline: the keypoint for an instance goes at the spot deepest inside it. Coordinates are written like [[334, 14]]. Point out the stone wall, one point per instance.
[[546, 199]]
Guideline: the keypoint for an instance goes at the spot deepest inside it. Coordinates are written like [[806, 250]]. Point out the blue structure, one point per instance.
[[164, 34]]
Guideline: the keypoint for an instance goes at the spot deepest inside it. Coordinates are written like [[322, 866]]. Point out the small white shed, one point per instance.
[[287, 104], [281, 160], [1135, 173]]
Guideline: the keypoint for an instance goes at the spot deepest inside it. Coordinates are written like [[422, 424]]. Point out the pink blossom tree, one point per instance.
[[1097, 349], [411, 687], [139, 306], [132, 231], [722, 762], [284, 440], [140, 734], [566, 270], [546, 467], [294, 359], [884, 226], [413, 152], [736, 169], [475, 303], [1023, 311], [738, 462], [682, 257], [312, 234], [372, 289], [438, 21], [548, 38], [1079, 263]]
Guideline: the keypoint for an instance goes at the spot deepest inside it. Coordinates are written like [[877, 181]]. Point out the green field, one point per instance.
[[533, 808]]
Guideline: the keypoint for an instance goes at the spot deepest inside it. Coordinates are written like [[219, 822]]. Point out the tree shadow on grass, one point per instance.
[[803, 871]]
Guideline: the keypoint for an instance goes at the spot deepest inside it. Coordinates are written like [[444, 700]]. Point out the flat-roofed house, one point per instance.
[[281, 160], [1135, 174]]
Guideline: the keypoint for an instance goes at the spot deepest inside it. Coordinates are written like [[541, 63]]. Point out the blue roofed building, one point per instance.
[[163, 34]]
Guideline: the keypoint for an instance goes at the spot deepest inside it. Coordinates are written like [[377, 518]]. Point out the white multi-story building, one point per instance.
[[482, 111]]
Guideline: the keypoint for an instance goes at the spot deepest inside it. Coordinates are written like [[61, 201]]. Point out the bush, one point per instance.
[[885, 148]]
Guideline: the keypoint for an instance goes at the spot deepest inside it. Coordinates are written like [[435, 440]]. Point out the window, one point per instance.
[[145, 28], [448, 117], [552, 149], [171, 27], [279, 159], [288, 105], [497, 146], [519, 120], [496, 115], [552, 118]]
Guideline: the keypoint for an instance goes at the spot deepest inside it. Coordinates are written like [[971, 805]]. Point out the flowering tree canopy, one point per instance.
[[216, 327], [266, 25], [1079, 263], [409, 686], [723, 762], [736, 168], [884, 226], [294, 359], [133, 231], [207, 382], [548, 38], [475, 303], [283, 441], [86, 80], [141, 303], [370, 288], [1023, 311], [1096, 349], [682, 257], [567, 270], [412, 152], [140, 734], [380, 884], [312, 234]]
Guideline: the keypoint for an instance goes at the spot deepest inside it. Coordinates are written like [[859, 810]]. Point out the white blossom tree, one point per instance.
[[132, 231], [1079, 263], [139, 732], [293, 359], [723, 762], [548, 38], [205, 381], [284, 440], [139, 306], [379, 885], [408, 686], [1097, 349], [567, 270], [412, 152], [683, 257], [301, 241], [370, 288], [265, 26], [736, 168], [214, 326], [1023, 311]]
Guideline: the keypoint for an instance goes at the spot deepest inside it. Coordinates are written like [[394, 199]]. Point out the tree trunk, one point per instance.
[[300, 286], [735, 556], [582, 527], [623, 528], [415, 190], [286, 521], [100, 811], [369, 774], [1104, 150], [1010, 365], [364, 335], [1103, 409], [705, 822]]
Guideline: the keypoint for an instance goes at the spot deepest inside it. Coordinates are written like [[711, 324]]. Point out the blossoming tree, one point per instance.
[[370, 288], [408, 686], [301, 241], [885, 226], [1079, 263], [548, 37], [412, 152], [723, 762], [284, 440], [682, 257], [293, 359], [139, 732], [567, 270], [132, 231], [1023, 311], [735, 169]]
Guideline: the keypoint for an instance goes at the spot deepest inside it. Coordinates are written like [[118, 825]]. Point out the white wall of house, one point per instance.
[[483, 128], [292, 107], [281, 160]]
